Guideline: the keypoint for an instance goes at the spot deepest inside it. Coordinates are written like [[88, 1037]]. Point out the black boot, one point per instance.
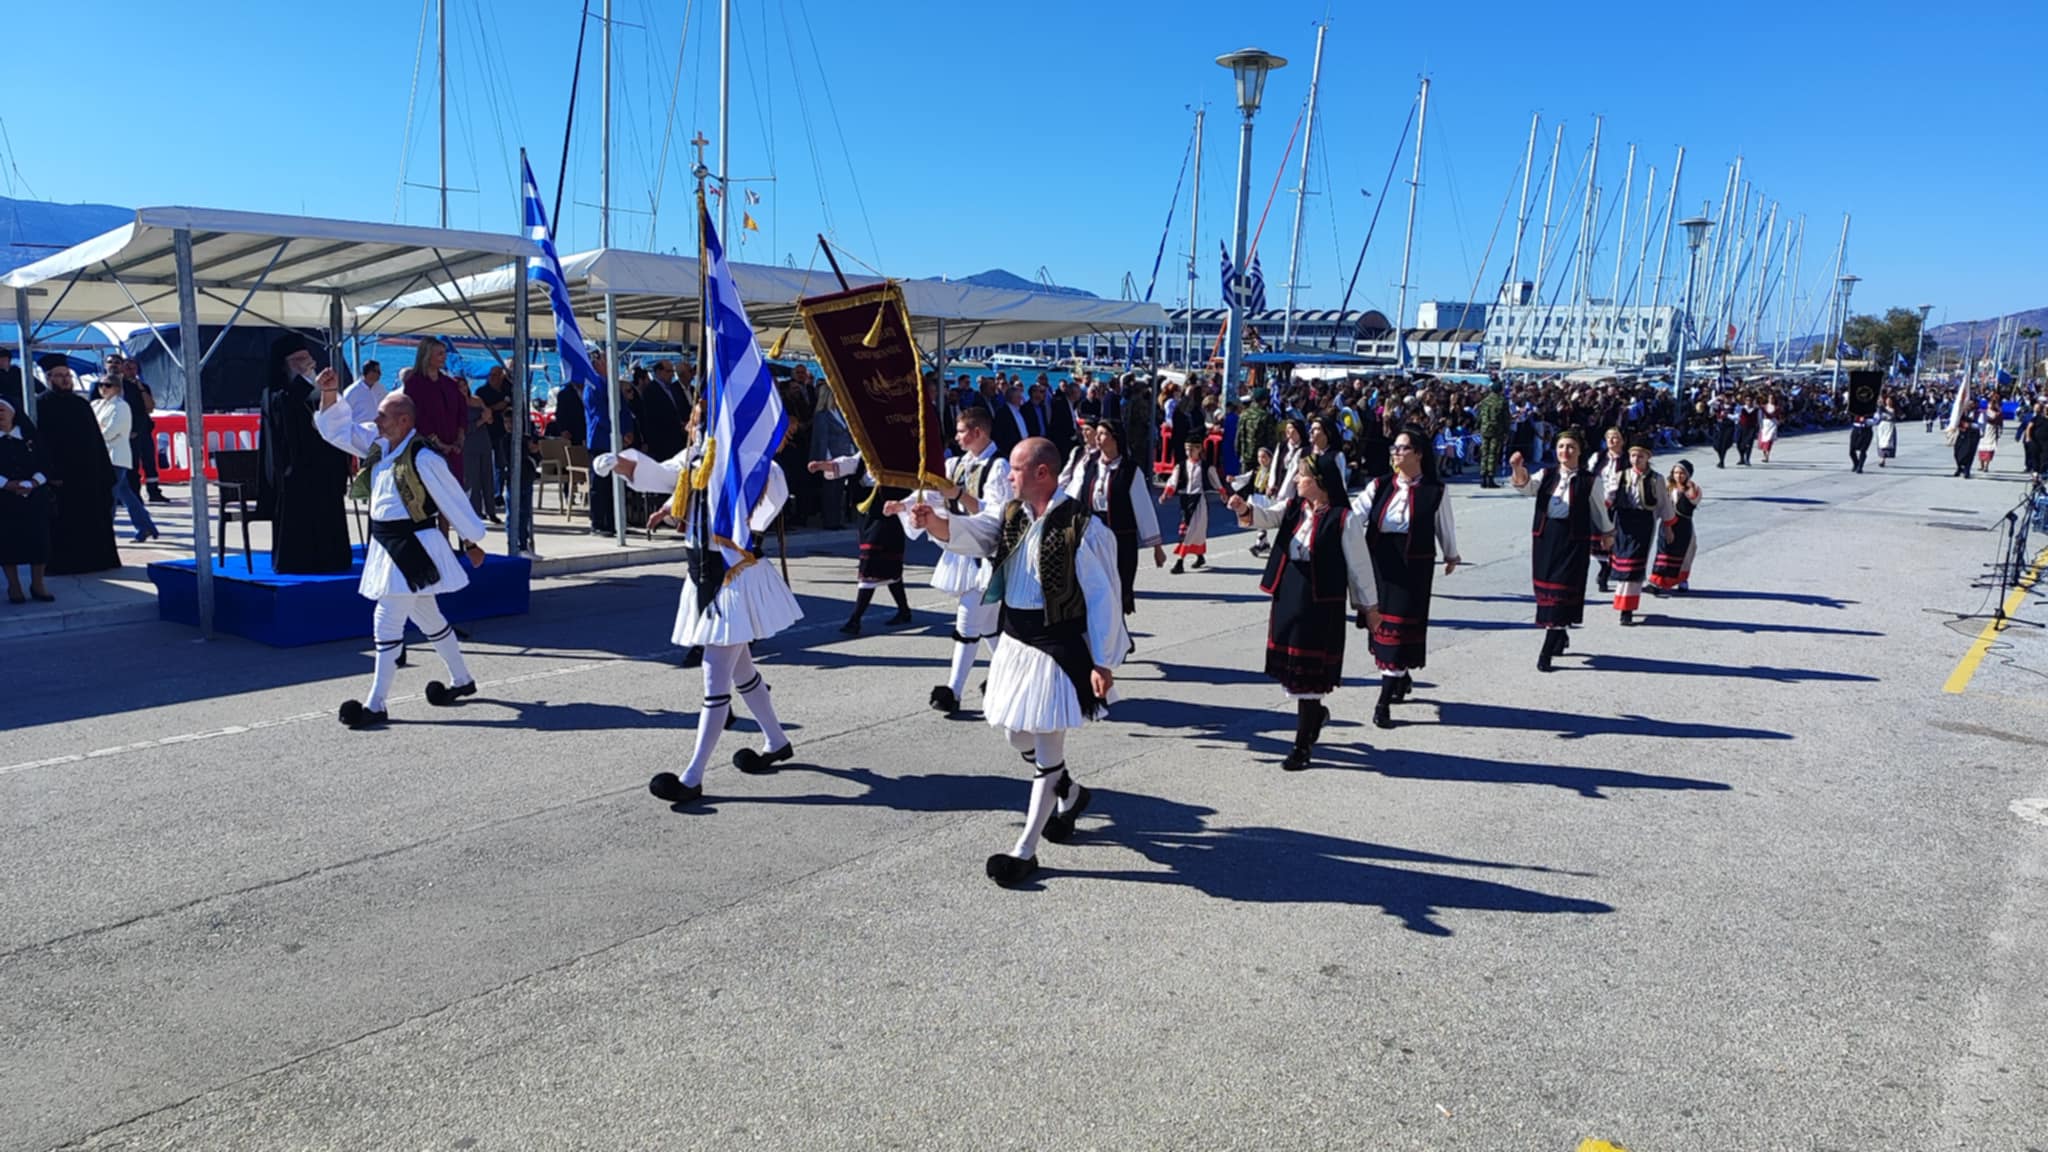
[[1382, 716], [1309, 718], [1550, 648], [861, 600], [902, 599], [1180, 565]]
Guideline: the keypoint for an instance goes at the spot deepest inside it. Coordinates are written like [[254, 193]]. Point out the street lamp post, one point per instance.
[[1695, 235], [1848, 283], [1920, 344], [1249, 66]]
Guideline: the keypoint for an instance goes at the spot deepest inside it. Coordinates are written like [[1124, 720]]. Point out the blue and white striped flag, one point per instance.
[[1229, 281], [747, 418], [546, 267], [1255, 288]]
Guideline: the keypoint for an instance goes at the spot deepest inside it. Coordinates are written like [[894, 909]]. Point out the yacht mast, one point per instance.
[[725, 122], [604, 231], [1522, 213], [1194, 244], [1408, 245], [1628, 180], [1543, 239], [1582, 285], [1664, 240], [1637, 327], [1308, 138]]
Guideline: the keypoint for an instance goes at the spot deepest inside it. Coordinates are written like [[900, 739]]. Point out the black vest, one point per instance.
[[1580, 521], [971, 474], [1119, 517], [1059, 546], [1421, 519], [1328, 575]]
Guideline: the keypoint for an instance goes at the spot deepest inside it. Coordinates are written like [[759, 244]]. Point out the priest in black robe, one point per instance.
[[73, 454], [305, 479]]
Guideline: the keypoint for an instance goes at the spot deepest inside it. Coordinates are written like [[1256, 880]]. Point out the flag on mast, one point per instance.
[[748, 421], [546, 267]]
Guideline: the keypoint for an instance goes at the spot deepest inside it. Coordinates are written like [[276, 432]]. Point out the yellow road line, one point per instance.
[[1960, 678]]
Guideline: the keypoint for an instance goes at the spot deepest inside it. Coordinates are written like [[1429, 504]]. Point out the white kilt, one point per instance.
[[753, 605], [1028, 692], [959, 574], [382, 578]]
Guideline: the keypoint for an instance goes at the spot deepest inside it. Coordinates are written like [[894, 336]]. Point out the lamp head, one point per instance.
[[1695, 231], [1249, 66]]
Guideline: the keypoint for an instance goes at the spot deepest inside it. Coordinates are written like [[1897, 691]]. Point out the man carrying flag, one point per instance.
[[724, 500]]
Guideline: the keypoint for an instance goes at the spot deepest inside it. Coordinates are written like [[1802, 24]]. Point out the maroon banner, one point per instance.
[[862, 339]]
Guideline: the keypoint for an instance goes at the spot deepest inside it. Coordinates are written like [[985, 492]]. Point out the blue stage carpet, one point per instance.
[[288, 611]]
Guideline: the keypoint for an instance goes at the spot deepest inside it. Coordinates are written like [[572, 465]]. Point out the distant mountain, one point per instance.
[[1953, 333], [998, 278], [33, 229]]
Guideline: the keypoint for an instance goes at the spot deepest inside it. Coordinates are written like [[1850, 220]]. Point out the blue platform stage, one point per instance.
[[288, 611]]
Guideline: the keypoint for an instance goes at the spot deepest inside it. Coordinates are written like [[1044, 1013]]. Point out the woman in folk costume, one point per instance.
[[1767, 426], [1053, 571], [1113, 486], [1192, 481], [1608, 463], [1887, 433], [1077, 460], [1407, 521], [882, 542], [1320, 559], [1279, 488], [410, 490], [1677, 544], [1639, 501], [1571, 516], [730, 599], [979, 477], [1326, 438]]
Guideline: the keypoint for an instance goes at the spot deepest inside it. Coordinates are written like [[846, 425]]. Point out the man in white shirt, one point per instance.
[[363, 396], [407, 485], [1053, 570]]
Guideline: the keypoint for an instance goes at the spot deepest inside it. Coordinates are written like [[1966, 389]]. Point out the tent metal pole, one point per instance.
[[516, 502], [28, 366], [195, 426]]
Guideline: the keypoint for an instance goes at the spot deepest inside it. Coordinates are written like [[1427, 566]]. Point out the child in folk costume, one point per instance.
[[1571, 516], [729, 600], [1767, 428], [882, 542], [408, 563], [1609, 461], [1278, 488], [1192, 481], [1053, 571], [1113, 486], [1639, 501], [1407, 521], [980, 478], [1320, 559], [1677, 544]]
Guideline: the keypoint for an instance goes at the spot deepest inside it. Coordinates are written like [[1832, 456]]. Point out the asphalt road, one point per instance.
[[1745, 877]]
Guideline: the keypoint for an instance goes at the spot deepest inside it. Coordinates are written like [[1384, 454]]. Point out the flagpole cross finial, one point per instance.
[[700, 143]]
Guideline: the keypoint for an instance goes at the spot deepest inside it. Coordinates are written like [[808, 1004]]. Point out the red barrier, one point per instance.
[[224, 432]]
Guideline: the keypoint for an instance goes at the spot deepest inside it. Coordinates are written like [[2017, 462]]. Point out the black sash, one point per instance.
[[1065, 642], [400, 540]]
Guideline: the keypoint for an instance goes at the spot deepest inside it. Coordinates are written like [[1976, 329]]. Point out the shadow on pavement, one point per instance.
[[1283, 866], [1571, 726], [1810, 600], [1660, 620], [1399, 763], [1603, 663]]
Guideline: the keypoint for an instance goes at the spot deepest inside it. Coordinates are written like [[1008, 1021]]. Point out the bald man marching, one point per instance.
[[409, 489]]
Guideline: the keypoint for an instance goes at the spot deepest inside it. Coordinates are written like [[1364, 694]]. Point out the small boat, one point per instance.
[[1024, 363]]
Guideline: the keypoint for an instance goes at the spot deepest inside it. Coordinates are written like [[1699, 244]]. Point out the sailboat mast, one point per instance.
[[1194, 243], [1582, 284], [1637, 328], [1664, 238], [724, 121], [1308, 139], [1763, 280], [1628, 180], [1408, 245], [1522, 212], [1543, 240], [1791, 310], [441, 79]]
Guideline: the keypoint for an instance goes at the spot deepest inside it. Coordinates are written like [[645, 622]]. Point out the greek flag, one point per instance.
[[1229, 276], [747, 417], [546, 267], [1249, 290]]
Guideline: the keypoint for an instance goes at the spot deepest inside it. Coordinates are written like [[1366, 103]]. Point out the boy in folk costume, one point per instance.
[[1053, 570], [409, 490], [1640, 501], [729, 600], [1192, 480], [980, 478]]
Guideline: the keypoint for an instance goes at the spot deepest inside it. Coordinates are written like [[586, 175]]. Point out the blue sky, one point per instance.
[[932, 137]]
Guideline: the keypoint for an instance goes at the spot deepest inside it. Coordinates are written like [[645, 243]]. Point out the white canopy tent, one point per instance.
[[207, 266], [656, 298]]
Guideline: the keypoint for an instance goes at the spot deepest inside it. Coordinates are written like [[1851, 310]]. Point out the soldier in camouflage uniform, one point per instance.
[[1493, 434]]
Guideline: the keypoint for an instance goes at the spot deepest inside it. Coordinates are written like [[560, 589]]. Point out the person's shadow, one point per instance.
[[1284, 866]]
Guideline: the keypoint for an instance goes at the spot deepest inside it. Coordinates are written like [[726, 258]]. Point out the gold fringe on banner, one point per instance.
[[874, 337]]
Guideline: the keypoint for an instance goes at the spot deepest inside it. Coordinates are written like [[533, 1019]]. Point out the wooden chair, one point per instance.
[[577, 469], [239, 470], [554, 472]]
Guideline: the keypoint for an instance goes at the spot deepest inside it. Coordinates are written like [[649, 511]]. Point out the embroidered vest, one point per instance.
[[1058, 545], [1421, 518], [405, 473], [1327, 575], [971, 474], [1580, 519], [1118, 516]]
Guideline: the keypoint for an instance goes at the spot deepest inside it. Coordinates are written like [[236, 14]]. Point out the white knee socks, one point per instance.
[[754, 693]]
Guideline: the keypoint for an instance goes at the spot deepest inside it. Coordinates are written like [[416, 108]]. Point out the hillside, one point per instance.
[[33, 229]]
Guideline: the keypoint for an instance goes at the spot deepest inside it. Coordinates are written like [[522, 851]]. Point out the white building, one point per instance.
[[1591, 332]]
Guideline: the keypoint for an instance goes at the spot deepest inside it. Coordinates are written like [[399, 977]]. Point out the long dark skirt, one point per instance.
[[882, 542], [1559, 575], [1127, 568], [25, 527], [1635, 537], [1305, 636], [1401, 642], [1673, 565]]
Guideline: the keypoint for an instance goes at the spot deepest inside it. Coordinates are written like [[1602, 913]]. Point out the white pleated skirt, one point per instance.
[[755, 605], [1028, 692], [958, 574], [382, 578]]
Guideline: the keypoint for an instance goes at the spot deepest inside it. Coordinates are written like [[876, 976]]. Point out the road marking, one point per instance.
[[2033, 811], [1960, 678]]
